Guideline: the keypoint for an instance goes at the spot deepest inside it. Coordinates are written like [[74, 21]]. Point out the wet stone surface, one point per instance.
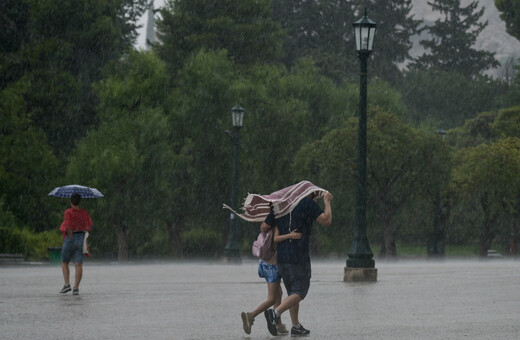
[[411, 300]]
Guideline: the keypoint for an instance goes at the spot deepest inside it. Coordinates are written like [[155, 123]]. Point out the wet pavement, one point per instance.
[[471, 299]]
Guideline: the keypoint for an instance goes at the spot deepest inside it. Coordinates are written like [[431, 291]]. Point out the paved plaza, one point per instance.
[[452, 299]]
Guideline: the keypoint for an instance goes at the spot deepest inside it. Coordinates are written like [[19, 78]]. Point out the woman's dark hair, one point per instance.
[[75, 199]]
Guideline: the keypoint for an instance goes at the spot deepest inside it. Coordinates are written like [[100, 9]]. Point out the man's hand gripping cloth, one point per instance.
[[256, 207]]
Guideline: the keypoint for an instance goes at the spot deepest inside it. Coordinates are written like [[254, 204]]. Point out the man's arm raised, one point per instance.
[[326, 217]]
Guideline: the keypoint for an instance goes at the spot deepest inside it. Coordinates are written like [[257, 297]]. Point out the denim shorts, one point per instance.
[[73, 249], [269, 272], [296, 278]]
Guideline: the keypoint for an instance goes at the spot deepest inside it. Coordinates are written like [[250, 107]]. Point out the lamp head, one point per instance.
[[365, 29], [237, 114]]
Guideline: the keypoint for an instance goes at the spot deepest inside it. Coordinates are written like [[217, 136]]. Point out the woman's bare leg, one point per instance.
[[273, 289]]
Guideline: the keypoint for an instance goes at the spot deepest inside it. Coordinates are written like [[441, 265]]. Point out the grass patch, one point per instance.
[[412, 250], [464, 250]]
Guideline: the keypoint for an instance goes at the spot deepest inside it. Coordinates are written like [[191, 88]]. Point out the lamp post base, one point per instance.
[[360, 274]]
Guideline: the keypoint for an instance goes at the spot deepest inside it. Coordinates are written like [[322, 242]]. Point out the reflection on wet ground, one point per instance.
[[411, 300]]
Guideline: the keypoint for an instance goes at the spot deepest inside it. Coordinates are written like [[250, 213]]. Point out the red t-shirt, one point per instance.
[[76, 219]]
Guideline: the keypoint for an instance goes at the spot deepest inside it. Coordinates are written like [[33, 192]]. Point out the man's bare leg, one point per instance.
[[289, 302], [293, 311], [78, 274], [66, 272]]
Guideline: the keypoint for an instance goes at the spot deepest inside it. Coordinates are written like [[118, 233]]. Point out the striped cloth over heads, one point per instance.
[[256, 207]]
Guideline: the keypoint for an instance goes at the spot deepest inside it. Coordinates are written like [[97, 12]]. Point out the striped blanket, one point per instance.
[[256, 207]]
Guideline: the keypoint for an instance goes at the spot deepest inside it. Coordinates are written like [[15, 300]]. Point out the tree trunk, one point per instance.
[[488, 220], [485, 240], [175, 229], [445, 216], [514, 241], [122, 242], [388, 246]]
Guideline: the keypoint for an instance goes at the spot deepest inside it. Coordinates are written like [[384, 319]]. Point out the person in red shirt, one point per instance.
[[76, 222]]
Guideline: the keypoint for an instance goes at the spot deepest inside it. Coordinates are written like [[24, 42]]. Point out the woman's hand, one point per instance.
[[295, 235]]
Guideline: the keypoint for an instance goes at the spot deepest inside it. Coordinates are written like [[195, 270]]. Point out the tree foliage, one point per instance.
[[323, 31], [403, 163], [28, 167], [128, 157], [453, 36], [487, 127], [396, 26], [447, 99], [149, 128], [243, 28], [490, 174], [510, 14], [57, 49]]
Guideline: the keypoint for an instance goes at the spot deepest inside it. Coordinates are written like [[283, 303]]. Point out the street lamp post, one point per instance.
[[360, 264], [232, 249], [434, 247]]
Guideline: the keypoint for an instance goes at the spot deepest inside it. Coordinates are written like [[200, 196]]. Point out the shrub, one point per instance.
[[36, 244], [11, 241], [200, 242], [33, 246], [155, 246]]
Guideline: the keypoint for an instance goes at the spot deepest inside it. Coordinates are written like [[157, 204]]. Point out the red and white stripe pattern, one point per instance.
[[256, 207]]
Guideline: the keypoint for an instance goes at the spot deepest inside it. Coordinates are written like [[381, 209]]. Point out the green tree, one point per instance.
[[243, 28], [510, 14], [284, 110], [402, 164], [489, 173], [453, 36], [396, 27], [323, 31], [128, 157], [206, 89], [58, 49], [28, 167], [13, 34], [475, 131], [507, 122], [490, 127], [447, 99], [487, 127], [317, 29]]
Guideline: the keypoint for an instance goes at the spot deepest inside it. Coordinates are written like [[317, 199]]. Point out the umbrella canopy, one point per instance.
[[69, 190]]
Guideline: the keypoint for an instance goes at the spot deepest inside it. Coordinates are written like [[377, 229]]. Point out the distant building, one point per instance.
[[150, 27]]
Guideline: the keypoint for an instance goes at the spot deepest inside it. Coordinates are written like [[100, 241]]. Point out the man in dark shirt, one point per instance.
[[292, 234]]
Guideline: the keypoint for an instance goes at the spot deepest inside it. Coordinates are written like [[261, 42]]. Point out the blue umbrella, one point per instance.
[[69, 190]]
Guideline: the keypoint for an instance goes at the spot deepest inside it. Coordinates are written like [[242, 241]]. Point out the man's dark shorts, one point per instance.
[[296, 278]]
